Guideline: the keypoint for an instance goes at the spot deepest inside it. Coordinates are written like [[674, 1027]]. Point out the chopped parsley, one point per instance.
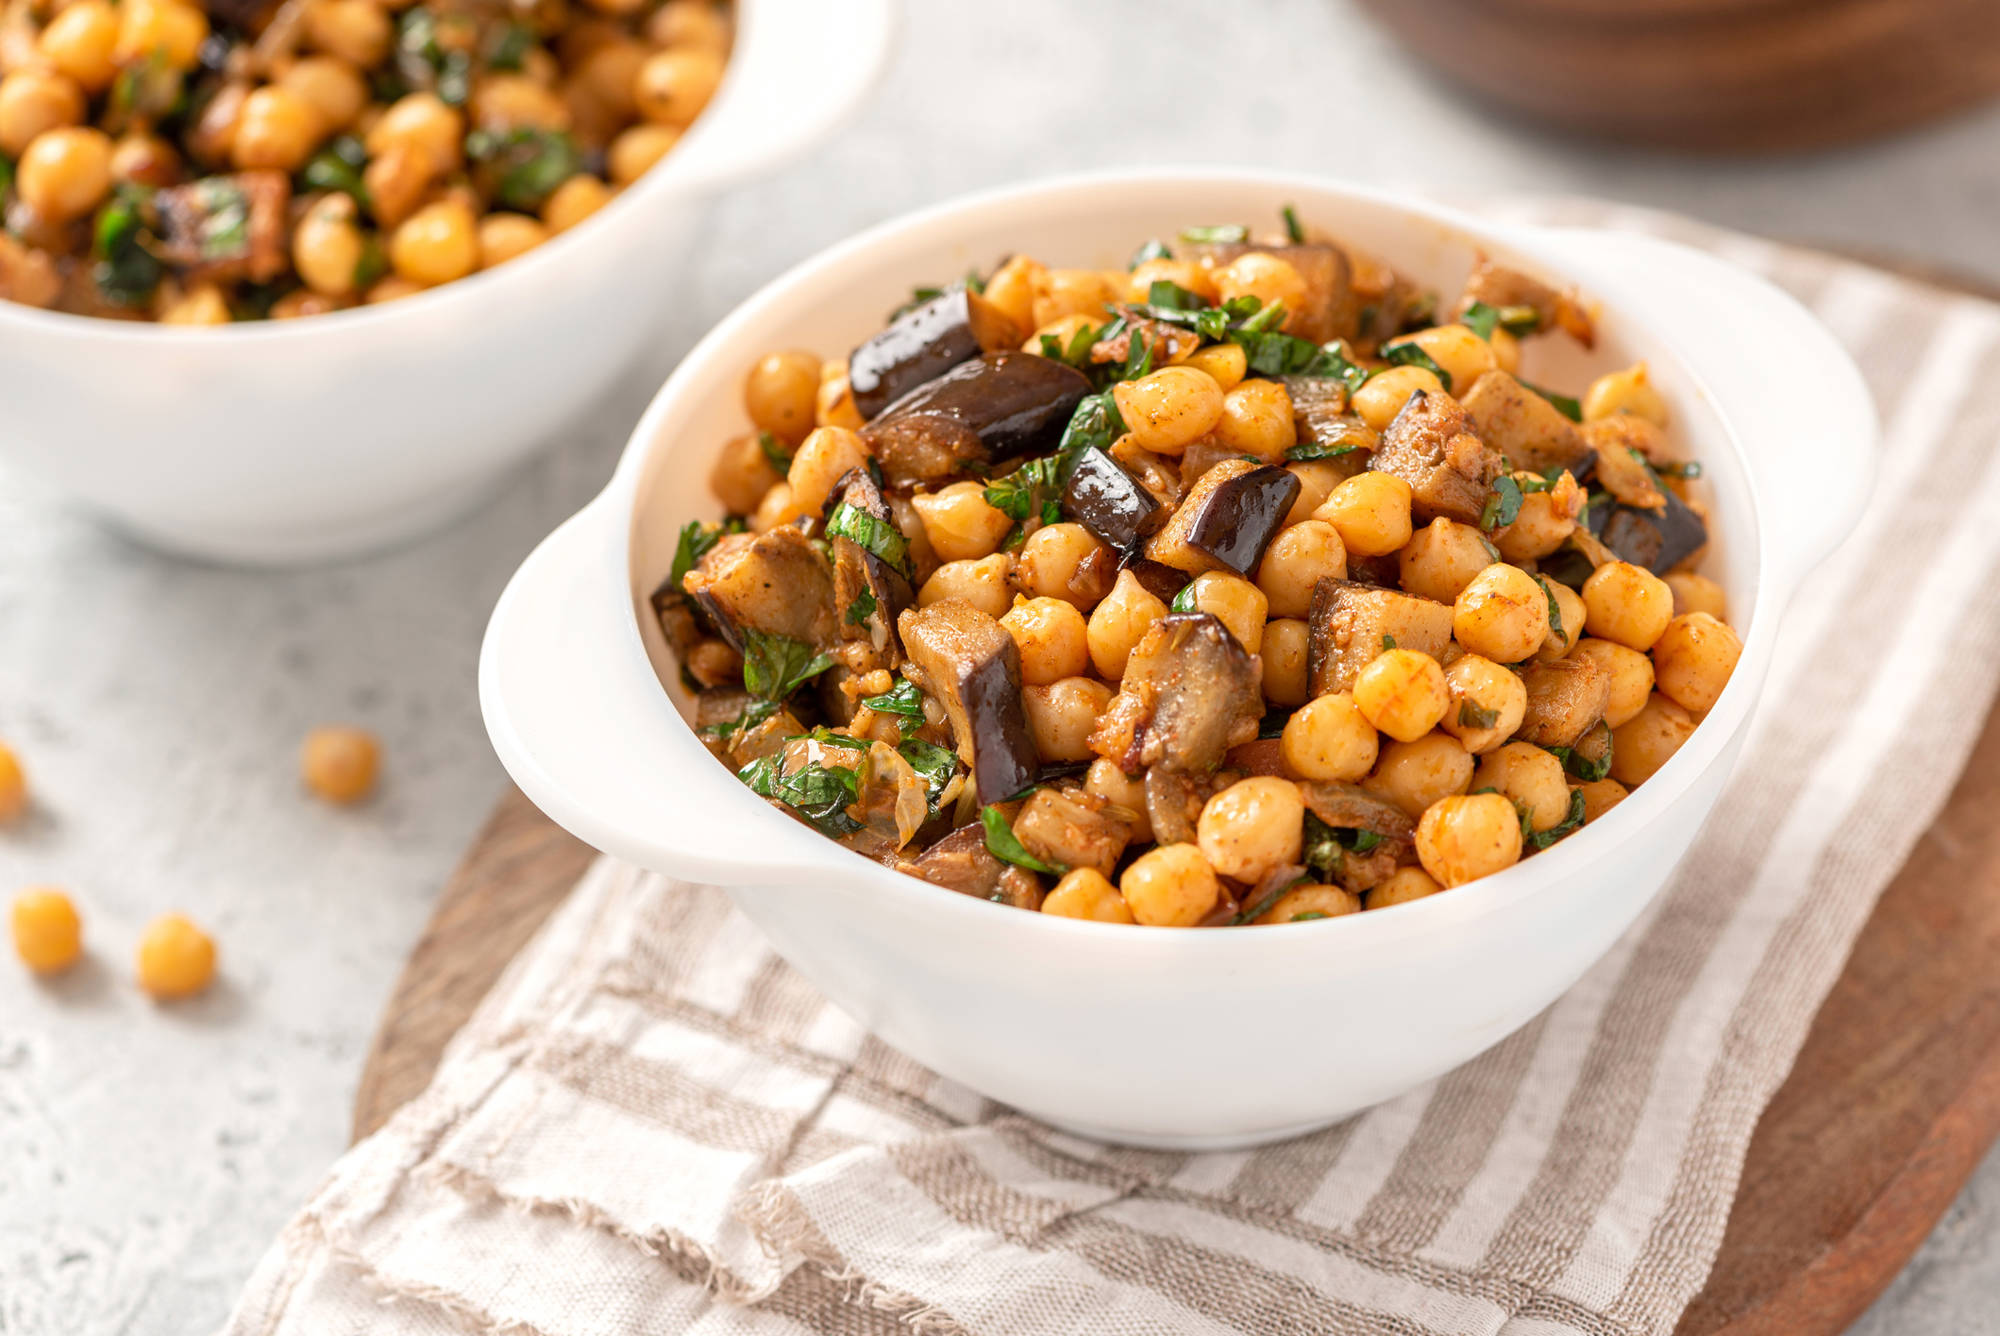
[[1503, 504], [1263, 906], [423, 61], [1225, 234], [755, 713], [1476, 716], [862, 607], [1555, 610], [879, 537], [1184, 601], [126, 271], [1690, 469], [1152, 250], [1309, 915], [1094, 423], [1031, 490], [819, 792], [1482, 319], [525, 164], [696, 541], [775, 453], [1002, 843], [338, 167], [1568, 407], [936, 764], [1571, 823], [1077, 354], [1388, 643], [1295, 231], [1587, 766], [1326, 845], [774, 666], [902, 700], [1411, 354]]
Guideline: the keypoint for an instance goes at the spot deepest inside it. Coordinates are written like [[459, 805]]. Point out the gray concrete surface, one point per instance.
[[147, 1156]]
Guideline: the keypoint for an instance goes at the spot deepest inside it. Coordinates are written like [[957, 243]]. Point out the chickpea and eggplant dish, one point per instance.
[[1246, 585], [198, 163]]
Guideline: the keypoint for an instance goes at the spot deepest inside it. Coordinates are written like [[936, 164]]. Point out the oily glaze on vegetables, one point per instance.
[[1241, 586], [196, 163]]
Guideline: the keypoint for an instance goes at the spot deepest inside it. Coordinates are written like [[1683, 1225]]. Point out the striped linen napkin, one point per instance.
[[654, 1125]]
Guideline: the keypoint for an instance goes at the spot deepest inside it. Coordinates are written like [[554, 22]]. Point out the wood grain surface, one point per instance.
[[1721, 76]]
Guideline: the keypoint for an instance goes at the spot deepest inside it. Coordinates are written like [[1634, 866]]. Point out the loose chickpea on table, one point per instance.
[[278, 158], [1246, 585]]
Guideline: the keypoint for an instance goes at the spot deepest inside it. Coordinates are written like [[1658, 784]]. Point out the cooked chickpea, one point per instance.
[[422, 123], [607, 80], [1627, 603], [1403, 885], [1629, 391], [327, 246], [173, 28], [1065, 561], [1693, 659], [1372, 513], [1529, 777], [959, 522], [65, 172], [13, 786], [1257, 420], [1599, 797], [714, 664], [1506, 351], [689, 23], [1184, 273], [1502, 614], [202, 304], [502, 102], [635, 150], [1052, 638], [1328, 738], [1170, 886], [1086, 893], [1648, 740], [1271, 280], [339, 764], [1119, 620], [1063, 715], [826, 456], [1402, 693], [1541, 527], [391, 289], [1226, 364], [176, 959], [1126, 792], [1317, 479], [742, 474], [1012, 288], [1697, 593], [436, 244], [1487, 703], [675, 85], [1298, 559], [1441, 559], [1236, 603], [982, 583], [833, 404], [779, 394], [1314, 900], [1567, 618], [32, 102], [334, 90], [1631, 675], [48, 933], [573, 201], [278, 129], [1286, 646], [1170, 409], [1252, 828], [1413, 775], [144, 160], [1464, 356], [1378, 401], [79, 42], [1060, 292], [777, 508], [503, 236], [358, 31], [1464, 838], [1063, 331]]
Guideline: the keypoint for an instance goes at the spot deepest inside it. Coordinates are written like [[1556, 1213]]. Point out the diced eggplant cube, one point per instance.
[[1659, 539], [1108, 501], [994, 407], [1524, 426], [775, 582], [1073, 828], [1190, 693], [971, 664], [1227, 519], [1565, 698], [1352, 623], [922, 344], [1431, 446], [1331, 309]]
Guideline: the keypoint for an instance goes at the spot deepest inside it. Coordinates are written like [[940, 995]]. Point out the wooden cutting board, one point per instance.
[[1892, 1103]]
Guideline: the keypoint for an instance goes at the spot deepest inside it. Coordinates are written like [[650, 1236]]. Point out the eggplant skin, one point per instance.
[[1111, 503], [971, 664], [1659, 539], [1240, 517], [991, 408], [924, 343]]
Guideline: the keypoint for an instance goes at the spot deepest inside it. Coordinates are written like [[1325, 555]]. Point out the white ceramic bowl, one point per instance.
[[303, 440], [1155, 1037]]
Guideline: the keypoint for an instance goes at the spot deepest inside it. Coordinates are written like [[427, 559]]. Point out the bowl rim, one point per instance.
[[655, 186], [1588, 848]]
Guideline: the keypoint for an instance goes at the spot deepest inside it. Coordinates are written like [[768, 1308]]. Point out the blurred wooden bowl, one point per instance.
[[1727, 76]]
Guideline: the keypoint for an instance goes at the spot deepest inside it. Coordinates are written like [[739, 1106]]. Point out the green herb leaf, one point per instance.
[[126, 271], [880, 537], [338, 167], [695, 541], [755, 713], [1555, 610], [1388, 643], [510, 47], [1095, 422], [1481, 319], [6, 174], [1476, 716], [1295, 231], [1031, 490], [1002, 844], [1503, 506], [775, 453], [819, 792], [1690, 469], [1263, 906], [862, 608], [1363, 841], [775, 666], [936, 764], [1571, 823], [1588, 768], [1184, 601], [1308, 916], [1223, 235], [1322, 850], [1565, 405], [1152, 250], [1411, 354], [902, 700], [1309, 450], [525, 164], [372, 263]]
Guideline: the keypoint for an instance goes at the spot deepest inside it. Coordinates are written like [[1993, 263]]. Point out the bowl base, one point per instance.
[[1150, 1141]]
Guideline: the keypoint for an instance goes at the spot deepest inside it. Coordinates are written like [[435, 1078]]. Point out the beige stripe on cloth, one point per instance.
[[654, 1125]]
